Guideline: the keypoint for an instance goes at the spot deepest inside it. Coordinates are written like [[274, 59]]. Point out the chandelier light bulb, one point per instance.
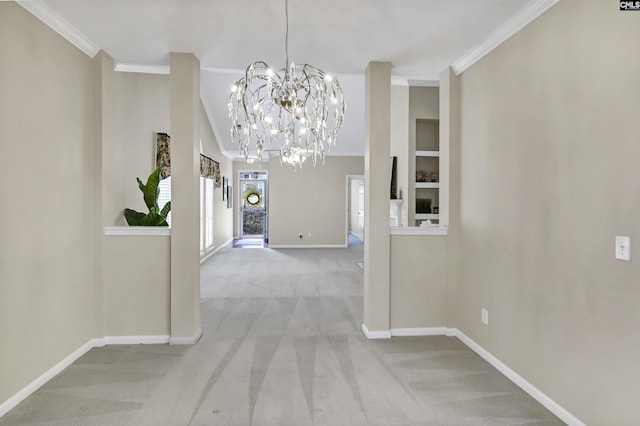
[[297, 111]]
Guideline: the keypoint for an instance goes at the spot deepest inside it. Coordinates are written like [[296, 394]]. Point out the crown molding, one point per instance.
[[60, 25], [143, 69], [504, 32], [413, 82]]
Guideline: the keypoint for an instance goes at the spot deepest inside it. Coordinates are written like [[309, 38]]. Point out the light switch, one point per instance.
[[623, 248]]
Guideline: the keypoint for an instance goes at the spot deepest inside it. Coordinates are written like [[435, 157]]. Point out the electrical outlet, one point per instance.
[[485, 316], [623, 248]]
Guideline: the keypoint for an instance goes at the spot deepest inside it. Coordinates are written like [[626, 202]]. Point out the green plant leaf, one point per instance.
[[165, 210], [133, 217], [151, 191]]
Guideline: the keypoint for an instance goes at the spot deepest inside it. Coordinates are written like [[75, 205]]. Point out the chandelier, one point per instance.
[[297, 111]]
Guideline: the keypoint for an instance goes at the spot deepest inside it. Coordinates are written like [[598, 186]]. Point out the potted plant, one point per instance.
[[423, 205], [150, 192]]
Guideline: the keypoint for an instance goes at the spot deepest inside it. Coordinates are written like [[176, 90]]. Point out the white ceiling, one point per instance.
[[419, 37]]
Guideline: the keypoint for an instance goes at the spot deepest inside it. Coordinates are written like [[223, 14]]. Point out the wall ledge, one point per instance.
[[417, 230], [137, 230]]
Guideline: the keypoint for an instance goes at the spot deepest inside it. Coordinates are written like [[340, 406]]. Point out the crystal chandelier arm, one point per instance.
[[300, 109]]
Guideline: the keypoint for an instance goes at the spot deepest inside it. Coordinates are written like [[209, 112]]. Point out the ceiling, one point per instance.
[[419, 37]]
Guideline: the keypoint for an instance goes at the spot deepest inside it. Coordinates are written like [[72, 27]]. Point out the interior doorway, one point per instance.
[[355, 210], [253, 205]]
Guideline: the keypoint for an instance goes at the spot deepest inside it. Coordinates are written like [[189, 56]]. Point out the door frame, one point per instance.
[[266, 201], [347, 196]]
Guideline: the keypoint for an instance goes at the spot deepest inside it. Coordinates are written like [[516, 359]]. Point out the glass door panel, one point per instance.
[[253, 208]]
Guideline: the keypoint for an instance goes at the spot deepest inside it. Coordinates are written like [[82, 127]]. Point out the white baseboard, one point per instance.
[[189, 340], [533, 391], [16, 399], [424, 331], [520, 381], [385, 334], [136, 340], [208, 255], [358, 236], [286, 246]]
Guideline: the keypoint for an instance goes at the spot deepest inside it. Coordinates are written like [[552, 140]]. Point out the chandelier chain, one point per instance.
[[299, 109], [286, 34]]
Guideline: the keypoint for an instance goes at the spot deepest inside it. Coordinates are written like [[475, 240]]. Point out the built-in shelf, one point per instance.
[[427, 167], [427, 185], [427, 153], [417, 230], [425, 216]]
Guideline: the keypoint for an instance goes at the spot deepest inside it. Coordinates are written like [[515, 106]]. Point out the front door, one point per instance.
[[253, 205]]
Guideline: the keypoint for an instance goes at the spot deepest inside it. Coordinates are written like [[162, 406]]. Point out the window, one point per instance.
[[206, 214], [165, 195]]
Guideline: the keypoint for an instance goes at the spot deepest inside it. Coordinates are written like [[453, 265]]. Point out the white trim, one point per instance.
[[427, 185], [25, 392], [502, 33], [384, 334], [419, 331], [347, 205], [425, 216], [137, 230], [427, 153], [287, 246], [191, 340], [534, 392], [143, 69], [413, 82], [21, 395], [60, 25], [136, 340], [417, 230], [207, 256]]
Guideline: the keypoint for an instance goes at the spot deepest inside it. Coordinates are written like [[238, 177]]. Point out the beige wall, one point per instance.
[[46, 215], [310, 200], [375, 313], [137, 277], [142, 110], [549, 155], [400, 144], [418, 281], [354, 206], [222, 216]]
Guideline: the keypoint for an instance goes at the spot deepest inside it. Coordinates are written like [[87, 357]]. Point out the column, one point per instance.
[[377, 179], [185, 198]]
